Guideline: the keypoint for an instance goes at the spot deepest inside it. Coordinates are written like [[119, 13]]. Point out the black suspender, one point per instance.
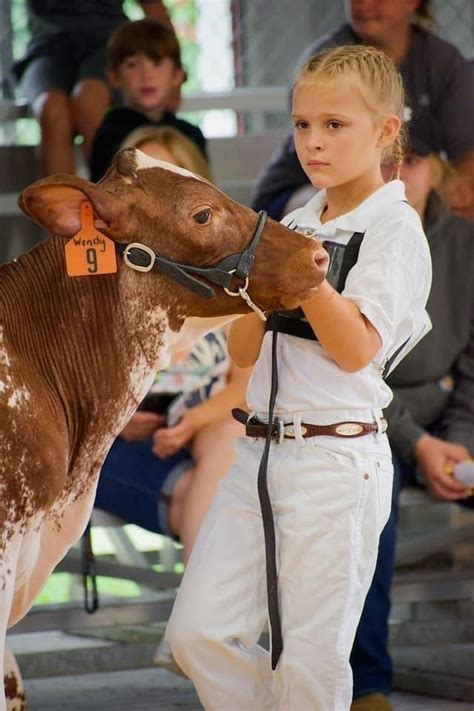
[[351, 255], [342, 259]]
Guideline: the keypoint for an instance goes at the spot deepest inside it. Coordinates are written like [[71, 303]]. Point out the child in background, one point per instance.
[[169, 144], [163, 478], [144, 63], [330, 468]]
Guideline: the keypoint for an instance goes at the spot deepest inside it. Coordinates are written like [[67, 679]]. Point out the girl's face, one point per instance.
[[337, 139], [418, 175]]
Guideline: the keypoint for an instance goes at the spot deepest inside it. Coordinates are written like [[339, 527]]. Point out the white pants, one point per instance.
[[331, 499]]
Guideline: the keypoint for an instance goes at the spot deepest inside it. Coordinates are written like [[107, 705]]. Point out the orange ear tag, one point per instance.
[[90, 252]]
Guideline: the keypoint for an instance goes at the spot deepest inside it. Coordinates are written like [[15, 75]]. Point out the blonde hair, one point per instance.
[[443, 173], [187, 155], [380, 82]]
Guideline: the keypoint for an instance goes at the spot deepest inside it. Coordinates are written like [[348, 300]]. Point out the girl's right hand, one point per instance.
[[142, 426]]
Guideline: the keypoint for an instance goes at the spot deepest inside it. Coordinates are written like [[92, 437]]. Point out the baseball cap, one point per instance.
[[417, 145]]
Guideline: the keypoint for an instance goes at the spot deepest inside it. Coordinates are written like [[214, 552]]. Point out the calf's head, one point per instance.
[[187, 220]]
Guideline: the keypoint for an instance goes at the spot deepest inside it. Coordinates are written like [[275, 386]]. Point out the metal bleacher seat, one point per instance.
[[18, 169], [236, 163], [432, 621]]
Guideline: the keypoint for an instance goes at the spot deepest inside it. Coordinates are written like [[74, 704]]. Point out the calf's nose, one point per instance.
[[321, 259]]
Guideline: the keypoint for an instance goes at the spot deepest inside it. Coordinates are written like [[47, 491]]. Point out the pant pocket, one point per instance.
[[383, 472]]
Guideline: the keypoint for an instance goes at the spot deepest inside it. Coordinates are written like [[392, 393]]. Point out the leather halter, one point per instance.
[[234, 266]]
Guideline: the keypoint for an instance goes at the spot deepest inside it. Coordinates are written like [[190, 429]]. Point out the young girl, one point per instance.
[[329, 471]]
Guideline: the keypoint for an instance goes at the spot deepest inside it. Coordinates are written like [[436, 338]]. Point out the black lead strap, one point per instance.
[[291, 323], [268, 522]]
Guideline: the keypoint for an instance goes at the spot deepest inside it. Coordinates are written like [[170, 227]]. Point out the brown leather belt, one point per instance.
[[280, 430]]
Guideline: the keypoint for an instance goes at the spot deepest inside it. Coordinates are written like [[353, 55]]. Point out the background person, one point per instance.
[[439, 85], [169, 144], [63, 72], [144, 63], [163, 478], [431, 416]]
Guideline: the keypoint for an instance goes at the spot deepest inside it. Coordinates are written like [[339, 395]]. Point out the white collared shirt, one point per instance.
[[390, 283]]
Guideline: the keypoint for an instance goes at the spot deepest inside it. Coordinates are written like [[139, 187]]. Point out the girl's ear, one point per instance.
[[390, 129]]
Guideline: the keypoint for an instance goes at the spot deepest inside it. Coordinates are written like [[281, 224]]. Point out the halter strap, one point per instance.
[[143, 258]]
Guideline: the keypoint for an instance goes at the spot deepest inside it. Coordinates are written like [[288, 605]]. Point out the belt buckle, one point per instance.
[[279, 435], [290, 431]]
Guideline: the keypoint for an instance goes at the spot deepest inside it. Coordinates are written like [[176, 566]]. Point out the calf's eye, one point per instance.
[[202, 217]]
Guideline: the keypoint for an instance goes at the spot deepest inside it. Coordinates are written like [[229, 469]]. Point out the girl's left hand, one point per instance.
[[169, 440]]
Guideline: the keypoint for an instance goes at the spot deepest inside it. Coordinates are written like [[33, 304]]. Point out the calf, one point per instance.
[[78, 353]]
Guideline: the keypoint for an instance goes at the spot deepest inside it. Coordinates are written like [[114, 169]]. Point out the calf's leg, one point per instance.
[[13, 683], [53, 541], [8, 563]]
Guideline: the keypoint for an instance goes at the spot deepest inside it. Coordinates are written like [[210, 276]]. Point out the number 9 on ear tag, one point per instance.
[[90, 252]]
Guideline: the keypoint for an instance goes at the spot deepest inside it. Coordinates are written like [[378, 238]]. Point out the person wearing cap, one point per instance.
[[431, 416], [439, 83]]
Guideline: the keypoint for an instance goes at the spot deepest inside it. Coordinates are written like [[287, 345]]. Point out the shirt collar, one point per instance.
[[356, 220]]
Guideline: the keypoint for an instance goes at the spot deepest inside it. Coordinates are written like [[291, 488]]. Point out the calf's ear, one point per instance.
[[54, 202]]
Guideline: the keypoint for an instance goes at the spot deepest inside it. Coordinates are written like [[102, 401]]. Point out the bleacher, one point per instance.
[[236, 161]]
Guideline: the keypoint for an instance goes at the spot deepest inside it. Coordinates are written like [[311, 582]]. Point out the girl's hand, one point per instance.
[[141, 426], [434, 456], [169, 440]]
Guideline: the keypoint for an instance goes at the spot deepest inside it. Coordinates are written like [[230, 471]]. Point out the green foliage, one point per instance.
[[59, 589], [20, 31]]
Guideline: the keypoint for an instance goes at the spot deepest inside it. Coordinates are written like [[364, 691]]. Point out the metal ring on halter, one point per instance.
[[241, 288], [144, 250]]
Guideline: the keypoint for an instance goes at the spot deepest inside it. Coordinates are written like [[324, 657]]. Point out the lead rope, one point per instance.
[[89, 578], [268, 522]]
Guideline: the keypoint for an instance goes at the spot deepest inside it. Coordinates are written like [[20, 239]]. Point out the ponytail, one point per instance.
[[396, 153]]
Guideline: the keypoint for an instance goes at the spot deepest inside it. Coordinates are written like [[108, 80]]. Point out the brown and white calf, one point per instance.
[[77, 354]]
